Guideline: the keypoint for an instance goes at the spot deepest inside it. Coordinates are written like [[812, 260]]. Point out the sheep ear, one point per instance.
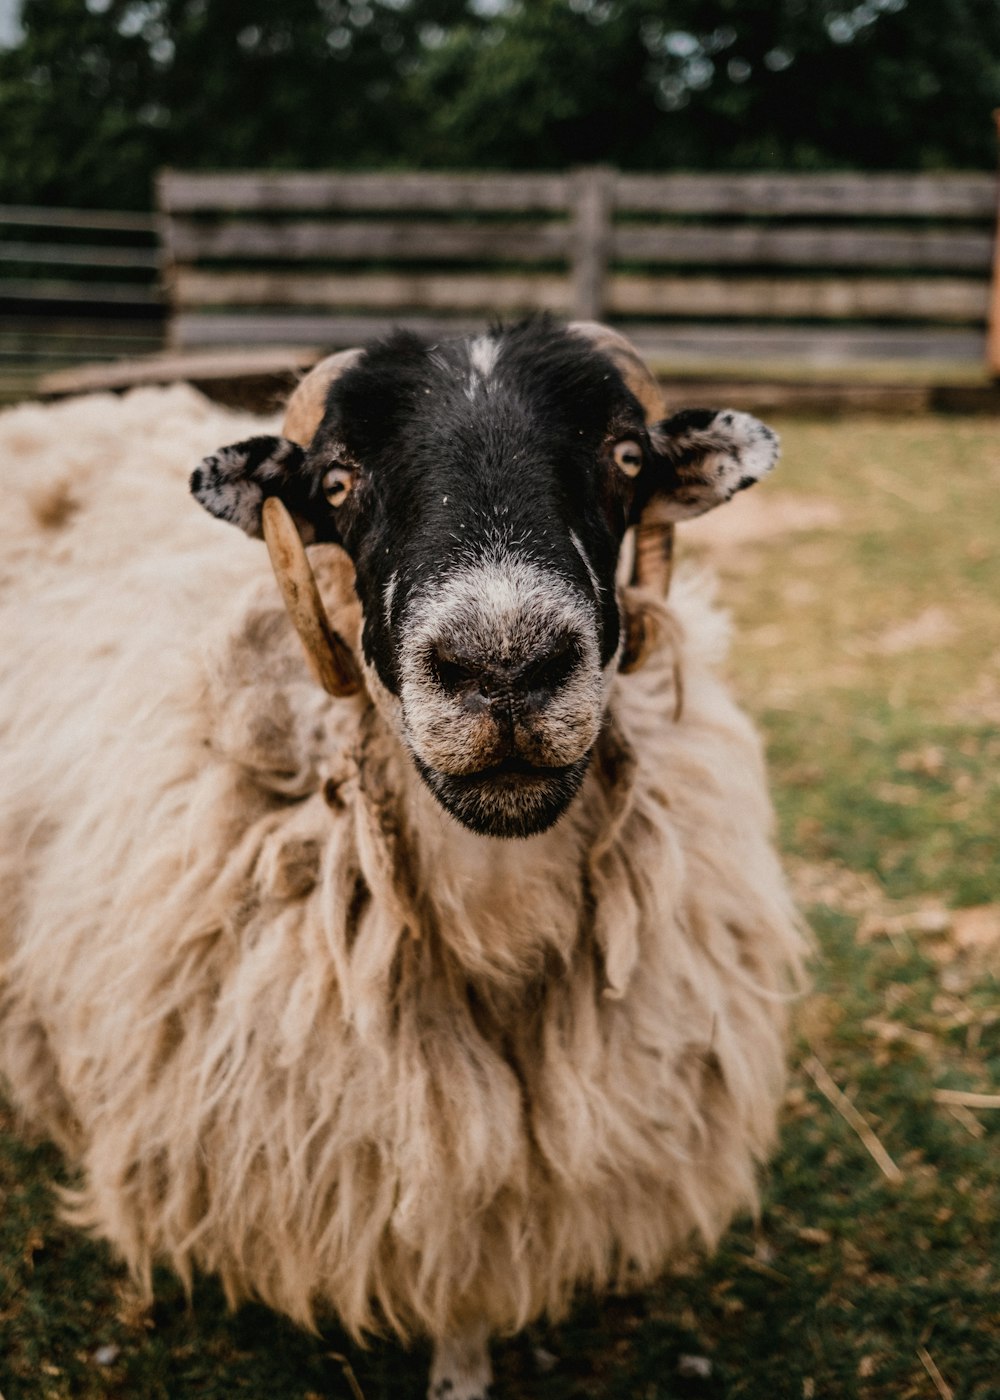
[[707, 455], [233, 483]]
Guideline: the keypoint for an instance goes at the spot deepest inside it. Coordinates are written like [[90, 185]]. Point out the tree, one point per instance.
[[713, 84], [99, 93]]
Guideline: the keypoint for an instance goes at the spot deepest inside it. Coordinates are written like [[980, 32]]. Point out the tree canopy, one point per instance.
[[96, 94]]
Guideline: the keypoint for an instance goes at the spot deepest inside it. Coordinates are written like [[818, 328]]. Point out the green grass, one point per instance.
[[870, 653]]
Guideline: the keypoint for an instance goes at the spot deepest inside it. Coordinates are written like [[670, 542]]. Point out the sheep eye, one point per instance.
[[628, 457], [337, 485]]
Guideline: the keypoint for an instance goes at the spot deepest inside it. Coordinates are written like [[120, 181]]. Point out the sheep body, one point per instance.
[[297, 1025]]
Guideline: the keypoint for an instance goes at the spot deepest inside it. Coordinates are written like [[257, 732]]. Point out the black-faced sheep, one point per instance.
[[436, 1000]]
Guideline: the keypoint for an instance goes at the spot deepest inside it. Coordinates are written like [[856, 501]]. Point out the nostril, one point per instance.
[[464, 676], [548, 672], [452, 672]]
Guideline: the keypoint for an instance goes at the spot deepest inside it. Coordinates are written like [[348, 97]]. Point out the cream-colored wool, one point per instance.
[[298, 1025]]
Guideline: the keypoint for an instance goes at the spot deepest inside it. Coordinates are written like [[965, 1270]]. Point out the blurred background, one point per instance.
[[768, 104], [96, 95]]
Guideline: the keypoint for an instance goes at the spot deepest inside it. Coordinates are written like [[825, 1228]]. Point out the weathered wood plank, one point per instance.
[[382, 291], [79, 255], [192, 331], [98, 293], [753, 342], [834, 345], [902, 299], [318, 239], [75, 324], [186, 192], [168, 368], [840, 195], [803, 246], [849, 195], [767, 396], [192, 240], [109, 220]]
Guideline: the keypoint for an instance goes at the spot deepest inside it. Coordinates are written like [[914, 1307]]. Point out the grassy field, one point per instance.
[[865, 585]]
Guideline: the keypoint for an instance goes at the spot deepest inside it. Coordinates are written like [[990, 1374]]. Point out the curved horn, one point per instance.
[[304, 410], [330, 658], [627, 361], [654, 536]]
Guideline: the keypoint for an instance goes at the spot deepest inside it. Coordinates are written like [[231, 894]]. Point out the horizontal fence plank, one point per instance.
[[833, 345], [40, 342], [190, 240], [903, 298], [847, 195], [188, 331], [838, 195], [383, 291], [317, 239], [803, 246], [186, 192], [79, 255], [169, 368], [82, 353], [99, 293], [112, 221], [75, 325]]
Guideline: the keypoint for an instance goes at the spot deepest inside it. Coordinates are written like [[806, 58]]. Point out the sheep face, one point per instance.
[[482, 488]]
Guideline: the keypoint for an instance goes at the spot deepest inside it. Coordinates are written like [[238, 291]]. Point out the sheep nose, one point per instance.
[[527, 682]]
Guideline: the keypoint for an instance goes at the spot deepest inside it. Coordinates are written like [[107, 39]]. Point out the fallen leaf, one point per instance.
[[810, 1234], [694, 1367], [931, 628], [977, 929]]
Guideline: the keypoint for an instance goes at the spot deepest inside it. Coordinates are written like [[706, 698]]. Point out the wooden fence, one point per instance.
[[800, 268], [75, 285]]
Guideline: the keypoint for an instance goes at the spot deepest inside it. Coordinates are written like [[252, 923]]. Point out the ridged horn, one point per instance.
[[304, 410], [654, 536], [330, 658]]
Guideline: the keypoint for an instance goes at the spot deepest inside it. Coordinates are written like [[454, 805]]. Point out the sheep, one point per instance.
[[434, 992]]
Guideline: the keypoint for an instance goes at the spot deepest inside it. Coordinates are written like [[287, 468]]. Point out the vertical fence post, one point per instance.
[[168, 260], [993, 327], [593, 210]]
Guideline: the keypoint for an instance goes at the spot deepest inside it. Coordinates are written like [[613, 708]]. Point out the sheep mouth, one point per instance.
[[511, 799]]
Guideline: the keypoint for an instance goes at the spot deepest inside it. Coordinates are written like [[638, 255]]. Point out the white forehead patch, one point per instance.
[[483, 352]]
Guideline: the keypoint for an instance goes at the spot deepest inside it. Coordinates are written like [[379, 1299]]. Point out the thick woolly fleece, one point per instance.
[[298, 1026]]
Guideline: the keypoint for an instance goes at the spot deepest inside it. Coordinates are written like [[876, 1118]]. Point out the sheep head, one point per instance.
[[482, 488]]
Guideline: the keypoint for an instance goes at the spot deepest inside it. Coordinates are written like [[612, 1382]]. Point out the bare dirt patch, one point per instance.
[[933, 627], [753, 517]]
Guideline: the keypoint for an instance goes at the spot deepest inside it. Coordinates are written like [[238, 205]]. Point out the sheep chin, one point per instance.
[[509, 802]]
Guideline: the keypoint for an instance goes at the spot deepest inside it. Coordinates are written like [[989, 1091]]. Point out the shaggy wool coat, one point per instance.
[[295, 1024]]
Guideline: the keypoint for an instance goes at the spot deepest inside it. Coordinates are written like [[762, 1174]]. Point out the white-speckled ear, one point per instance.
[[233, 483], [709, 455]]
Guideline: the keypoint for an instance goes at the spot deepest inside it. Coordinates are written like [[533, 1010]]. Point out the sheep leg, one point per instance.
[[460, 1367]]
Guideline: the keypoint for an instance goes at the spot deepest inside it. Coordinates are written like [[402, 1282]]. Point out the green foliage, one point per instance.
[[99, 93], [716, 84]]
